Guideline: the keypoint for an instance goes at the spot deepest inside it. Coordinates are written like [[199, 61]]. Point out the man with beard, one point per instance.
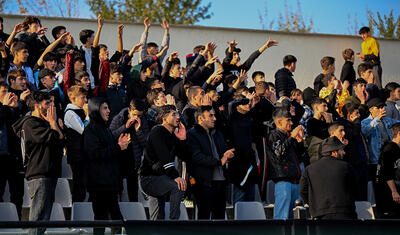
[[330, 194], [158, 175]]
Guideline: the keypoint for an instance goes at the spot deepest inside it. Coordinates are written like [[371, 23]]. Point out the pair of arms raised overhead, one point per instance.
[[165, 42]]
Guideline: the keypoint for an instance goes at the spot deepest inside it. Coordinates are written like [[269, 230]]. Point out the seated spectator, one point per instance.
[[20, 53], [158, 176], [75, 120], [328, 66], [387, 190], [210, 154], [348, 73], [330, 194], [392, 93], [365, 72]]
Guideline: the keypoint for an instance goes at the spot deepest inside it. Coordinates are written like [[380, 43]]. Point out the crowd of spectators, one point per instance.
[[118, 118]]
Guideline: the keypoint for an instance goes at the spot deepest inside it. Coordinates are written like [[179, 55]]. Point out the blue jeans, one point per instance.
[[246, 193], [157, 188], [42, 192], [286, 194]]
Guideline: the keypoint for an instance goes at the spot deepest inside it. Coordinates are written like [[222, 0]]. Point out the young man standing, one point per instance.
[[392, 93], [348, 73], [285, 149], [209, 155], [284, 81], [41, 139], [328, 66], [370, 54]]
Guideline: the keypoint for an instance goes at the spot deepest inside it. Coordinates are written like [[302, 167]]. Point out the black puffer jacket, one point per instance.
[[284, 82], [101, 152], [284, 156], [202, 162]]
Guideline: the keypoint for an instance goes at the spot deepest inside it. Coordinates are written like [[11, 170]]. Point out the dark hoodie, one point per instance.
[[101, 152], [43, 148]]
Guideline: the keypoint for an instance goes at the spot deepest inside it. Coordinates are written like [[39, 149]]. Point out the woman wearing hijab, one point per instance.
[[102, 162]]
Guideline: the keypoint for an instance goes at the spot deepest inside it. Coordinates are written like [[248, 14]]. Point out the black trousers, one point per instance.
[[337, 216], [9, 172], [105, 207], [78, 182], [132, 185], [210, 200]]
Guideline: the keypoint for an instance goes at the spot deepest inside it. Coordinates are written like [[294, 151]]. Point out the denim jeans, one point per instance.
[[157, 188], [42, 193], [246, 193], [286, 194]]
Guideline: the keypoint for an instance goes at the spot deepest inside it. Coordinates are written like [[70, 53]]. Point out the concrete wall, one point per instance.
[[308, 48]]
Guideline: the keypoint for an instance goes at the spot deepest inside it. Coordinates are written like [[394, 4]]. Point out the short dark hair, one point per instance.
[[197, 49], [333, 127], [36, 97], [261, 73], [153, 95], [326, 79], [200, 110], [193, 90], [19, 46], [30, 20], [363, 30], [50, 56], [289, 59], [349, 108], [85, 34], [296, 92], [362, 68], [56, 30], [347, 54], [13, 74], [317, 101], [139, 104], [359, 81], [326, 61], [270, 84], [280, 113], [395, 128], [115, 68], [164, 111], [152, 44], [390, 87]]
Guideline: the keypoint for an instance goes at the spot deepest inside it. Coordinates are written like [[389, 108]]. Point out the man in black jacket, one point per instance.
[[285, 150], [388, 176], [284, 81], [158, 176], [348, 73], [41, 140], [330, 194], [209, 155]]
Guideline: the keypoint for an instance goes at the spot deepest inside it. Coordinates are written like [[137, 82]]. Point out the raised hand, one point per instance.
[[173, 55], [137, 123], [124, 140], [24, 94], [180, 132], [41, 31], [243, 75], [165, 24], [18, 28], [51, 115], [271, 43], [211, 61], [120, 29], [147, 23], [162, 52], [100, 20], [232, 44], [170, 100]]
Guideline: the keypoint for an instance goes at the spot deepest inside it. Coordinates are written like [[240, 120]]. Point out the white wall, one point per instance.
[[308, 48]]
